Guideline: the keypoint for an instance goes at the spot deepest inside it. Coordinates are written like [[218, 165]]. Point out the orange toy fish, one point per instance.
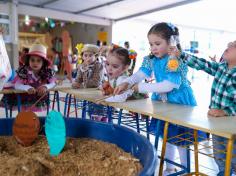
[[107, 88]]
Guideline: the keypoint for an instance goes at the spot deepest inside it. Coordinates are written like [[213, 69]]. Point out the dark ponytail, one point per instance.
[[122, 54]]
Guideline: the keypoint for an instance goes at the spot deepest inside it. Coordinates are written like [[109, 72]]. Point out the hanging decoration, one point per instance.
[[51, 23], [79, 48], [27, 20]]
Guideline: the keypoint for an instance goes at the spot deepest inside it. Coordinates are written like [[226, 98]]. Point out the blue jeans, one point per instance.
[[223, 147]]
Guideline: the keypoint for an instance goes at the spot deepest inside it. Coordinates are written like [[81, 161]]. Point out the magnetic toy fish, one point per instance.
[[55, 131]]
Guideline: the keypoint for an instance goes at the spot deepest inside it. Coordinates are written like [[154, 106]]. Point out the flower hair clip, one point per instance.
[[114, 46], [174, 40], [171, 26], [132, 54]]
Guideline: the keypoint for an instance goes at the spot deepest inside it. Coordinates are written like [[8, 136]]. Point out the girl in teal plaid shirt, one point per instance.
[[223, 92]]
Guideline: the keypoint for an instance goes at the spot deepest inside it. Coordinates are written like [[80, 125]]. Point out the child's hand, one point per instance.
[[216, 112], [101, 89], [213, 58], [103, 92], [31, 91], [76, 85], [122, 87], [59, 82], [42, 90], [135, 88], [173, 51], [107, 89]]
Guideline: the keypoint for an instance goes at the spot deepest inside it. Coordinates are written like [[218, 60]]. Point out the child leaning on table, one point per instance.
[[90, 72], [35, 77], [116, 65], [223, 92], [171, 84]]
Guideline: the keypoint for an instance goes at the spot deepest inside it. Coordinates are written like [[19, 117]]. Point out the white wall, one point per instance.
[[211, 42]]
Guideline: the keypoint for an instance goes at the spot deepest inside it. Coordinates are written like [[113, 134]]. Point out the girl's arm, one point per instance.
[[200, 63], [20, 86], [136, 78], [145, 71], [161, 87], [50, 85], [130, 81], [121, 97]]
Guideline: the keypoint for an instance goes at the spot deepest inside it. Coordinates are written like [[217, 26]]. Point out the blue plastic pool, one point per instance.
[[128, 140]]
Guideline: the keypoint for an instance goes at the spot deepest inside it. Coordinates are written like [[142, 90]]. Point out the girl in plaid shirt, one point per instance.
[[223, 92], [90, 72]]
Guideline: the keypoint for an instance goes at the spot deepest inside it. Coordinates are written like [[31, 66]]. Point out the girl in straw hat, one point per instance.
[[35, 77]]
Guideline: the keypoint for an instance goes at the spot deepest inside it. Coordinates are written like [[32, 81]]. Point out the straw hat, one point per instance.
[[90, 48], [37, 50]]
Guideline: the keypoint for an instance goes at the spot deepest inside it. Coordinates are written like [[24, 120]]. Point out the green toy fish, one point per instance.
[[55, 131]]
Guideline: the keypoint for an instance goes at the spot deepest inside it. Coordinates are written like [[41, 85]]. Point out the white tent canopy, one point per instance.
[[95, 11], [208, 14]]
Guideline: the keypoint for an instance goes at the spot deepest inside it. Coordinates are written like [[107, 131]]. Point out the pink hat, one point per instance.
[[37, 50]]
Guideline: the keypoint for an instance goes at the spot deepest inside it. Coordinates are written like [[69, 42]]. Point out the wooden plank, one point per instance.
[[191, 117]]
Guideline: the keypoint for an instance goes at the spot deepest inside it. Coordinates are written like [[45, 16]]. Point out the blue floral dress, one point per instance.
[[159, 67]]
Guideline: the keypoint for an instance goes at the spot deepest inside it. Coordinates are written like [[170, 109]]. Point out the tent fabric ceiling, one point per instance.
[[205, 14], [106, 9]]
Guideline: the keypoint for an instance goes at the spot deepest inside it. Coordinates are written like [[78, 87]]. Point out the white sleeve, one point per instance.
[[20, 86], [162, 87], [121, 97], [50, 85], [136, 78], [121, 79]]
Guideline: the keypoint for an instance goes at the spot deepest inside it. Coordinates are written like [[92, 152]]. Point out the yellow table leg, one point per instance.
[[196, 152], [163, 150], [228, 156]]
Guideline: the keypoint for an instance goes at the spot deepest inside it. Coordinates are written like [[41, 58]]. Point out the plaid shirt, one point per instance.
[[223, 91], [90, 76]]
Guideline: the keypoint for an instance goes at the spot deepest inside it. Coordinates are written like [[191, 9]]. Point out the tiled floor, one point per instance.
[[202, 90]]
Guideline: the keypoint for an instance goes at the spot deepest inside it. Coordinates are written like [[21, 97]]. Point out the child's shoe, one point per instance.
[[104, 119], [169, 171], [96, 117], [99, 118]]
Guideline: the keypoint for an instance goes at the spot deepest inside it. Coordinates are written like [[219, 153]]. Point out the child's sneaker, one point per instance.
[[96, 117], [169, 171], [104, 119], [99, 118]]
